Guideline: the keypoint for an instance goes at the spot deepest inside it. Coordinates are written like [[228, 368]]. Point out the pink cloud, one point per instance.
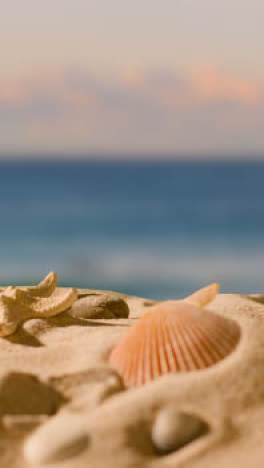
[[205, 109], [11, 93], [212, 83]]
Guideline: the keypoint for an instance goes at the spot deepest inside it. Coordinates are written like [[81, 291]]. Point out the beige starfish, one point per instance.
[[45, 288], [18, 304]]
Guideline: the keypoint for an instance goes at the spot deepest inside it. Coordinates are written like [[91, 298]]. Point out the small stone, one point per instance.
[[35, 327], [173, 429], [22, 394], [100, 306], [58, 440]]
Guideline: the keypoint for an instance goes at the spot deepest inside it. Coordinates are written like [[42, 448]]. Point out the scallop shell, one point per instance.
[[173, 336]]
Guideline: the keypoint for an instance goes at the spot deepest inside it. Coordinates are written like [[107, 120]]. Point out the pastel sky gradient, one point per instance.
[[141, 76]]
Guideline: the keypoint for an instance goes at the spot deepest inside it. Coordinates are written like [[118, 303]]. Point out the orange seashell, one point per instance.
[[173, 336]]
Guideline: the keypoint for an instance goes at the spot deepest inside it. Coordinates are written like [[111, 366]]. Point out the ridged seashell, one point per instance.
[[173, 336], [172, 429]]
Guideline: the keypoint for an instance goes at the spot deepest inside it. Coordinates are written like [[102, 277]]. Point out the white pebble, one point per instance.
[[173, 429], [61, 438]]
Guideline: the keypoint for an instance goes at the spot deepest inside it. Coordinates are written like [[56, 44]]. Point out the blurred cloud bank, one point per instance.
[[205, 109], [131, 77]]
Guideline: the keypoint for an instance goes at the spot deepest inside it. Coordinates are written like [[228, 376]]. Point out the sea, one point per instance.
[[151, 228]]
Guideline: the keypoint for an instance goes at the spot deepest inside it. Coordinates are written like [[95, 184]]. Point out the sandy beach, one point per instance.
[[131, 175], [62, 404]]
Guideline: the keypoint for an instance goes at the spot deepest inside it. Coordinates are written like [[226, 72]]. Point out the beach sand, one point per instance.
[[62, 405]]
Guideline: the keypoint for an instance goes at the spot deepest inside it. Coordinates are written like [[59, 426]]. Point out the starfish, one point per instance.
[[18, 304]]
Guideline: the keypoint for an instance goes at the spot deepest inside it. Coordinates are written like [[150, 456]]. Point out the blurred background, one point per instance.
[[132, 144]]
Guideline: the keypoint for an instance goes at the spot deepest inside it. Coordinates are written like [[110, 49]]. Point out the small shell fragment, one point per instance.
[[203, 296], [23, 422], [173, 429]]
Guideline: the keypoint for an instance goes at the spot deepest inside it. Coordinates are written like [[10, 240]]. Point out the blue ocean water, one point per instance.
[[156, 229]]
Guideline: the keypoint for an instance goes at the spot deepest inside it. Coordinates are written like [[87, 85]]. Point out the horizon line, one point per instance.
[[129, 156]]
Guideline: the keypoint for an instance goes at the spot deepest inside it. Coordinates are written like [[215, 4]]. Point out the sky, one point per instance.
[[179, 77]]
